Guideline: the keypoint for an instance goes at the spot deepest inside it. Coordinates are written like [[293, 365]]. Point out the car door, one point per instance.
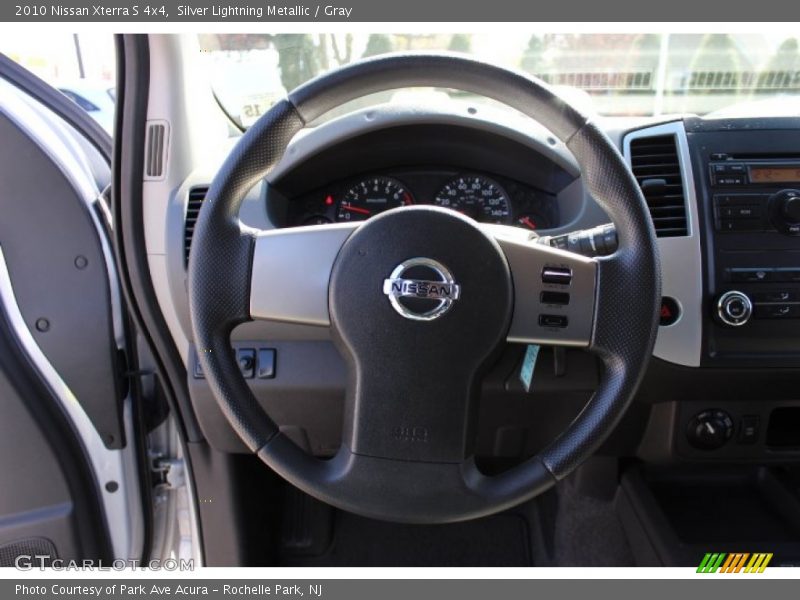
[[71, 476]]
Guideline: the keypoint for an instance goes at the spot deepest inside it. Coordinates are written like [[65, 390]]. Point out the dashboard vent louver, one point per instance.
[[656, 166], [196, 197]]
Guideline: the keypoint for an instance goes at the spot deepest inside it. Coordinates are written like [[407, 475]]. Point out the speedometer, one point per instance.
[[476, 196], [371, 196]]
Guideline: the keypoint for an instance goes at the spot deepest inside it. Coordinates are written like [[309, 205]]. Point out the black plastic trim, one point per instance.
[[133, 75], [65, 443]]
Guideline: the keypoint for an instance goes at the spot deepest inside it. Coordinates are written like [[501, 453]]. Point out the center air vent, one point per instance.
[[656, 166], [196, 197]]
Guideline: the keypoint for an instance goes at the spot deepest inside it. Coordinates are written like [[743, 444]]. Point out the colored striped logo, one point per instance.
[[736, 562]]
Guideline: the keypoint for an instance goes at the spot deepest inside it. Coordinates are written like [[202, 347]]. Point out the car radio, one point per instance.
[[750, 183], [756, 195]]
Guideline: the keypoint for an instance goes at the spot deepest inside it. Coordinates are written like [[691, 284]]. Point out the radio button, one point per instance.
[[739, 224], [777, 311], [776, 296], [751, 275], [786, 275], [740, 199], [740, 212], [729, 180]]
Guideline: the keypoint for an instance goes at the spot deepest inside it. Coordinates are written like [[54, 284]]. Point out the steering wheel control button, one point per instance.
[[554, 321], [246, 357], [710, 430], [554, 298], [734, 308], [266, 363], [557, 275], [670, 312], [421, 289]]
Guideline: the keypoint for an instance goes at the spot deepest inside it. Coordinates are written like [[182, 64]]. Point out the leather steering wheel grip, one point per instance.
[[219, 269], [626, 306]]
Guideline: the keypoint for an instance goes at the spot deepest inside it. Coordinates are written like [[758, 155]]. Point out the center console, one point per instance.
[[739, 402], [747, 174]]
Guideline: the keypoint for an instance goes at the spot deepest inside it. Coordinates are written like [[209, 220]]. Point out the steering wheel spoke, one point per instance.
[[291, 271]]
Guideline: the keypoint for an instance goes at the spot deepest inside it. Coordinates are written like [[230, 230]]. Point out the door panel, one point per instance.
[[69, 480]]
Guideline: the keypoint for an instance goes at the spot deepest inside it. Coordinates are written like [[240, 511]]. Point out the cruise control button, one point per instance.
[[558, 298], [559, 321], [560, 275]]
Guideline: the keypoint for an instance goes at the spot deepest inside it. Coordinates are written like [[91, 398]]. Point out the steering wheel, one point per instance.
[[419, 300]]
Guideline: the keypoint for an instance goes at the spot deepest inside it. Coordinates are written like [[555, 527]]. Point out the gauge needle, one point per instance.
[[527, 221], [356, 209]]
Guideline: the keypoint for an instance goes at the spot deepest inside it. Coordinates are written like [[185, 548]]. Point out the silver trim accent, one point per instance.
[[291, 272], [396, 287], [722, 308], [681, 261]]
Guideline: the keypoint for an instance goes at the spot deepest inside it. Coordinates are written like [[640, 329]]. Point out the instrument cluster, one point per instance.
[[480, 196]]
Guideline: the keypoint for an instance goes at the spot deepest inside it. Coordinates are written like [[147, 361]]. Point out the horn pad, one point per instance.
[[420, 300]]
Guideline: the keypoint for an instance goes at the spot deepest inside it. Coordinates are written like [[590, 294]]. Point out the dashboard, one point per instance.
[[727, 224]]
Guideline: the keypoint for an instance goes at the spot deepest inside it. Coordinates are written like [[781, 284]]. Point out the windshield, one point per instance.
[[609, 74]]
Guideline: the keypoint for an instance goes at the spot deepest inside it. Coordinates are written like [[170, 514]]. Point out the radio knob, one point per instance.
[[784, 209], [734, 308], [790, 208]]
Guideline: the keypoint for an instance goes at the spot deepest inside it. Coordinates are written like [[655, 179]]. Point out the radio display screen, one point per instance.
[[775, 174]]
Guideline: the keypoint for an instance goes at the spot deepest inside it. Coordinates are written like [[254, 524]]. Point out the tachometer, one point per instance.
[[476, 196], [372, 196]]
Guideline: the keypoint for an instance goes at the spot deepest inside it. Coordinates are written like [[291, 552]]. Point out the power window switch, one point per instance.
[[266, 363], [246, 357], [748, 429]]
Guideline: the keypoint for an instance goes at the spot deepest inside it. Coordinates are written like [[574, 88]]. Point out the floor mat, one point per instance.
[[499, 540]]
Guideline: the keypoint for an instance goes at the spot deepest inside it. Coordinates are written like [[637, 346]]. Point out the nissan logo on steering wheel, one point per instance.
[[421, 289]]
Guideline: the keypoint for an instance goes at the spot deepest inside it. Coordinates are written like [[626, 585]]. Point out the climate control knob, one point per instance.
[[734, 308], [710, 429]]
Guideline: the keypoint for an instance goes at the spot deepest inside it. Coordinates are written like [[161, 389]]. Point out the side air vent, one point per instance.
[[196, 197], [656, 166], [155, 150]]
